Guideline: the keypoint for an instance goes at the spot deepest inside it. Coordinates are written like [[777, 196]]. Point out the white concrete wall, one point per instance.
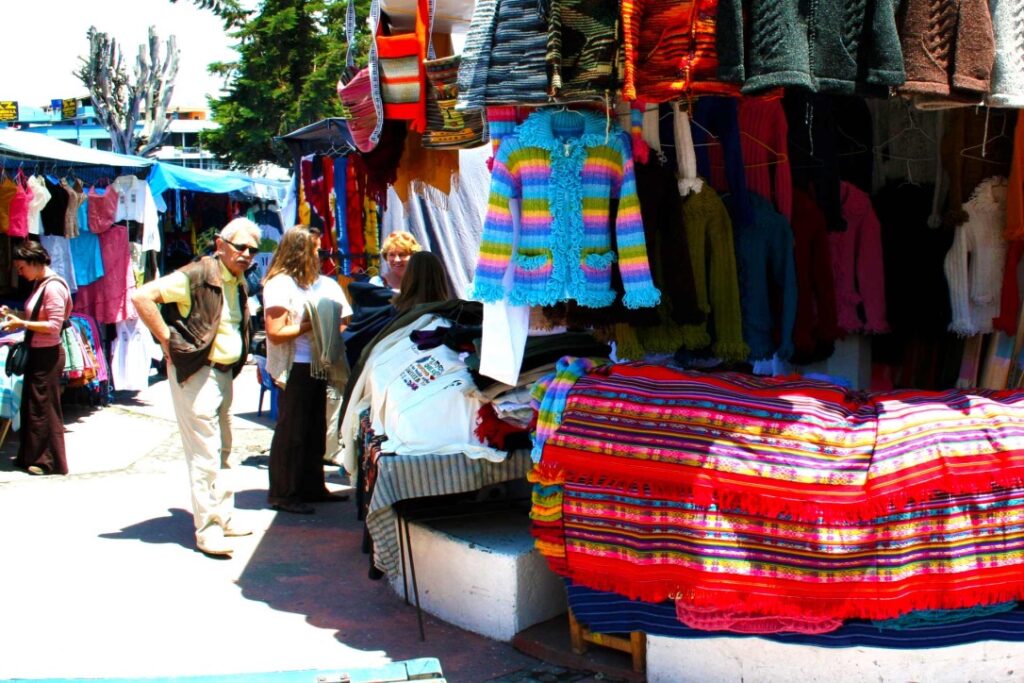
[[754, 660], [482, 573]]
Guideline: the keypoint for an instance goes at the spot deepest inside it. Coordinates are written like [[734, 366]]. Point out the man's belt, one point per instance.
[[223, 367]]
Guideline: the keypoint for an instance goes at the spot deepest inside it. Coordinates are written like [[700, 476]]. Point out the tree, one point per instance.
[[120, 101], [230, 12], [290, 55]]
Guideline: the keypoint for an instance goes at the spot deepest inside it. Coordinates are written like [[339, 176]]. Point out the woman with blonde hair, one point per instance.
[[297, 449], [395, 252]]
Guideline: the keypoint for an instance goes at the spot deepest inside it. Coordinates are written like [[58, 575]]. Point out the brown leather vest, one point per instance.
[[192, 336]]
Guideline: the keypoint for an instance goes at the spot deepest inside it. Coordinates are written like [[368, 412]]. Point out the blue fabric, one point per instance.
[[604, 612], [86, 256], [341, 210]]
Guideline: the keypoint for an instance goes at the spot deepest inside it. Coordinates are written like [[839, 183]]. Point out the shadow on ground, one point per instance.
[[175, 528], [313, 565]]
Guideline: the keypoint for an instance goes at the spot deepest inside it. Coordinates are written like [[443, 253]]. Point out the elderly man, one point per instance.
[[203, 329]]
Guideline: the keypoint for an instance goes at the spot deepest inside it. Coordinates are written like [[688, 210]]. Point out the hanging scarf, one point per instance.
[[327, 350]]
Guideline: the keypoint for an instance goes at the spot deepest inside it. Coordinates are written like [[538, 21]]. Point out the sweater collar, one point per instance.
[[553, 128]]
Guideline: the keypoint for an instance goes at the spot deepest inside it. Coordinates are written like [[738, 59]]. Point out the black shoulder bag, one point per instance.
[[17, 359]]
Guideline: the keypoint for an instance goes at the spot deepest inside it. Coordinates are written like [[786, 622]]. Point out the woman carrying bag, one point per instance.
[[49, 305], [300, 437]]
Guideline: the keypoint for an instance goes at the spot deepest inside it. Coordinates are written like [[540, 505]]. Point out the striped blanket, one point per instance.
[[783, 497]]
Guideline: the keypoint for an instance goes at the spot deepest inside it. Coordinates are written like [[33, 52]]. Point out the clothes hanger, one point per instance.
[[981, 151], [779, 157], [912, 128], [714, 140]]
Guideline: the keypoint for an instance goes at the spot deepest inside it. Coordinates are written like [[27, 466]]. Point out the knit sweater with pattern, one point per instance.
[[582, 48], [837, 46], [564, 171], [948, 47], [670, 49]]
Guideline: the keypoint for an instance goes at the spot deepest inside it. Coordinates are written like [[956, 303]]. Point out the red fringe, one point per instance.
[[491, 429], [767, 596], [772, 498]]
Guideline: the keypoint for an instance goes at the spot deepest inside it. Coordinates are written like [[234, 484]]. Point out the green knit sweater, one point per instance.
[[710, 238], [835, 46]]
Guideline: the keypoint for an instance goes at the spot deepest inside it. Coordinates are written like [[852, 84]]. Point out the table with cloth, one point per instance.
[[748, 498]]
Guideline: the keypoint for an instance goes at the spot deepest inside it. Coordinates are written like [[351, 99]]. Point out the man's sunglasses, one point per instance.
[[243, 248]]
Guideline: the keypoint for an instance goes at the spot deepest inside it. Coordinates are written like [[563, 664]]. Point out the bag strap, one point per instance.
[[39, 303], [350, 37]]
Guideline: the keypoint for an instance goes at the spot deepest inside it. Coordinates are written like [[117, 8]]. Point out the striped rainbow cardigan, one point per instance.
[[564, 169]]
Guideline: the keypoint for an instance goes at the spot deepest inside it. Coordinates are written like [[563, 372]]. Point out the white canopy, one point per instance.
[[42, 146]]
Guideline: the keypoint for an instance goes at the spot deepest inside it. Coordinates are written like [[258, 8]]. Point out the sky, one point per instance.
[[51, 48]]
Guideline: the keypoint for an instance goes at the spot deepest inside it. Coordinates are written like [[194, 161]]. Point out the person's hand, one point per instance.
[[11, 322]]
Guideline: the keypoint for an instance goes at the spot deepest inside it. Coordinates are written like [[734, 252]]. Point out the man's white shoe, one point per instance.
[[233, 530], [217, 548]]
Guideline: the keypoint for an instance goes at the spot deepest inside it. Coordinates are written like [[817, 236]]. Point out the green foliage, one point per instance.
[[290, 56], [230, 12]]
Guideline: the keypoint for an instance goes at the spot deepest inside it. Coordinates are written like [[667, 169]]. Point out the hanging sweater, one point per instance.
[[763, 132], [837, 46], [974, 264], [815, 329], [857, 265], [582, 48], [767, 276], [948, 48], [1007, 87], [709, 234], [557, 163], [669, 49]]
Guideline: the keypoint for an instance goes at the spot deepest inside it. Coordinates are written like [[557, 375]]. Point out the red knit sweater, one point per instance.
[[670, 49]]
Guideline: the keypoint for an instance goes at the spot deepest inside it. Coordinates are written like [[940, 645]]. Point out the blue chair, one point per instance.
[[266, 384]]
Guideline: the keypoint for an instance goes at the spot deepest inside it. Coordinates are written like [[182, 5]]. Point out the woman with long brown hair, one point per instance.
[[297, 449], [41, 450]]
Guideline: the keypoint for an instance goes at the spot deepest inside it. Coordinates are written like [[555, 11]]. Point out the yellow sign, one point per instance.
[[8, 110], [69, 108]]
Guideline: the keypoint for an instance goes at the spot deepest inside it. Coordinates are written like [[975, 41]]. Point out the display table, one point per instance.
[[401, 477]]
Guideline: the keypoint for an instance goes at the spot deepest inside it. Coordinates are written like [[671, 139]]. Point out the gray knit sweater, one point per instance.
[[1007, 89]]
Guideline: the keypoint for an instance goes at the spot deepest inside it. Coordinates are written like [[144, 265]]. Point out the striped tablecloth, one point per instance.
[[401, 477]]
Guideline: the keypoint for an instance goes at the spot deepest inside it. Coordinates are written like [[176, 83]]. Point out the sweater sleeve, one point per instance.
[[729, 41], [498, 232], [54, 308], [784, 273], [783, 175], [955, 267], [634, 267], [1009, 305], [632, 11], [724, 289], [871, 274], [975, 47]]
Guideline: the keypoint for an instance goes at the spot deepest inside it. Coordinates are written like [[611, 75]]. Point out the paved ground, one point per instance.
[[99, 578]]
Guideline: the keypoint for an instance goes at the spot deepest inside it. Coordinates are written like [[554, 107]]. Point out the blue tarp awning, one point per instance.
[[166, 176]]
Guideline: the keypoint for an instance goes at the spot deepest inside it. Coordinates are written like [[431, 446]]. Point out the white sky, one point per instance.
[[42, 53]]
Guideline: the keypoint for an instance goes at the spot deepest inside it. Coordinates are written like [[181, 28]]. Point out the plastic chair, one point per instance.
[[266, 384]]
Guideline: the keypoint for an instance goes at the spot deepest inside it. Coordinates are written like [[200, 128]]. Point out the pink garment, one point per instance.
[[763, 142], [18, 220], [710, 619], [102, 209], [55, 310], [857, 265], [108, 299]]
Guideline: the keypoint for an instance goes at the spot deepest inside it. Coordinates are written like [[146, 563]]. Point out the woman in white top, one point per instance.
[[297, 449]]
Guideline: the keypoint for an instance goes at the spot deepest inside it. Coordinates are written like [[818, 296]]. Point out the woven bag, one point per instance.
[[359, 93], [446, 127]]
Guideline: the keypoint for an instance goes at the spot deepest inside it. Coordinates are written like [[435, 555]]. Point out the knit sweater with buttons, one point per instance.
[[560, 172], [837, 46]]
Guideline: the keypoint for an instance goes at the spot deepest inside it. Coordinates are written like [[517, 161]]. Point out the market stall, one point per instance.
[[766, 218]]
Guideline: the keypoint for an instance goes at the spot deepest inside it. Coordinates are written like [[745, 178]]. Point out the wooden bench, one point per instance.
[[635, 645]]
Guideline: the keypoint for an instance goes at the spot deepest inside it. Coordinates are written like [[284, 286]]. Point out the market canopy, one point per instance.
[[327, 134], [18, 143], [166, 176]]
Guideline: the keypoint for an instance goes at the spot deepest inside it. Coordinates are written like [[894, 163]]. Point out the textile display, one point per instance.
[[783, 496]]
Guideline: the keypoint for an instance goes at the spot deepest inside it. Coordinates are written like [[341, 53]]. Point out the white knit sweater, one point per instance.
[[1007, 88], [974, 264]]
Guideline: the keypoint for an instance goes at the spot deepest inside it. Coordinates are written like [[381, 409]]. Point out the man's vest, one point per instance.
[[192, 336]]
